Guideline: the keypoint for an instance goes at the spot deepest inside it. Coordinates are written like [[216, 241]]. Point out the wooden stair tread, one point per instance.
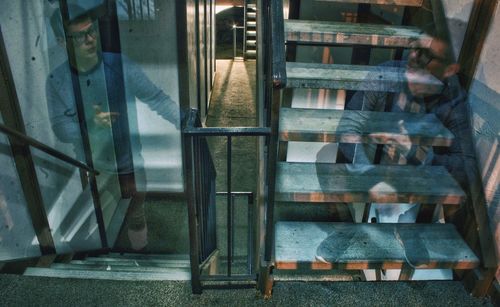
[[353, 77], [416, 3], [326, 182], [324, 246], [330, 32], [347, 126]]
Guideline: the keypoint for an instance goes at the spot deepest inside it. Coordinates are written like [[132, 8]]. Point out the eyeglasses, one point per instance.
[[81, 37], [425, 56]]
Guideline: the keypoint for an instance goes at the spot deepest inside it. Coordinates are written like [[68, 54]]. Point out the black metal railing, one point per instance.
[[47, 149], [200, 190]]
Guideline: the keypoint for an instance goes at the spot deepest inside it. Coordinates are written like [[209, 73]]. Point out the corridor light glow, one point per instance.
[[220, 8]]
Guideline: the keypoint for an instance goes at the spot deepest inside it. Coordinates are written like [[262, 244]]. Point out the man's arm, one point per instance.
[[142, 87]]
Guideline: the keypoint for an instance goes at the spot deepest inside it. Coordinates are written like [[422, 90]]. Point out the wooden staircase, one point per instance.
[[250, 29], [311, 246]]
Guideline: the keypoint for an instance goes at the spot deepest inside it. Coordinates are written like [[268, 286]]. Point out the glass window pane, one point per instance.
[[17, 236], [151, 85], [41, 73]]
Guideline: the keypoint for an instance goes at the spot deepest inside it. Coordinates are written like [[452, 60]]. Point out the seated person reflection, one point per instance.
[[447, 102], [105, 87]]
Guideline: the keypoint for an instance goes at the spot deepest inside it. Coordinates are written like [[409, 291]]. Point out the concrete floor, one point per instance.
[[232, 102], [39, 291]]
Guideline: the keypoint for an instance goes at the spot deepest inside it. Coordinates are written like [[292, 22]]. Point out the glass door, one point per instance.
[[86, 86]]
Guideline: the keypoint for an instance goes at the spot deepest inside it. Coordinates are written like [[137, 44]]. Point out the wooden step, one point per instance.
[[327, 32], [251, 24], [345, 126], [325, 246], [251, 43], [251, 33], [355, 77], [107, 275], [331, 183], [252, 6], [251, 14], [417, 3]]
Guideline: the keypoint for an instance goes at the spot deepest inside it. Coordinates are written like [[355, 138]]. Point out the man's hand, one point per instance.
[[104, 119]]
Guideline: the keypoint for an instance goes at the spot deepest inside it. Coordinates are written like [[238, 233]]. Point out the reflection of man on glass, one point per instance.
[[448, 103], [101, 78]]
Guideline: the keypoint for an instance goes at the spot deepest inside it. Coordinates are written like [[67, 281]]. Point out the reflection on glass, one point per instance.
[[17, 236], [66, 197], [110, 86]]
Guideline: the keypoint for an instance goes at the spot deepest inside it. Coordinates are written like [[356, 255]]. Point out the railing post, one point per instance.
[[229, 209], [234, 41], [189, 183], [276, 80]]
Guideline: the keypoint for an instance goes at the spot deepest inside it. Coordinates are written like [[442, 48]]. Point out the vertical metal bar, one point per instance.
[[234, 41], [229, 209], [110, 42], [198, 56], [141, 9], [245, 10], [250, 208], [205, 56], [198, 192], [189, 182], [232, 226], [149, 10], [244, 41], [84, 131]]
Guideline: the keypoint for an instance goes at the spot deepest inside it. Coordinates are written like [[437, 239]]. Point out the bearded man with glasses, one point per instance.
[[431, 58]]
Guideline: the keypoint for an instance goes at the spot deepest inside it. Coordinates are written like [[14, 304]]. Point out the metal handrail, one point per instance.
[[228, 131], [48, 150]]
